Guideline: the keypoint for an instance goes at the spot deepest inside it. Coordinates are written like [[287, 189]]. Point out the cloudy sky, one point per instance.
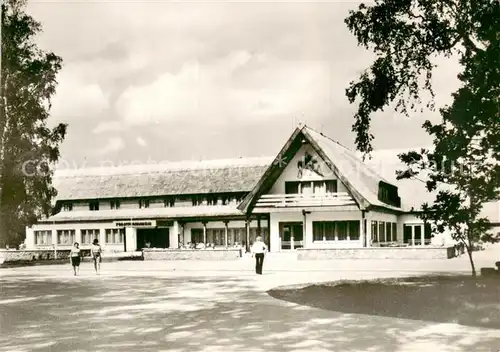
[[149, 81]]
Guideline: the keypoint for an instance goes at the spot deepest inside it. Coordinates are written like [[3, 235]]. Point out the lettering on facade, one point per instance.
[[136, 223]]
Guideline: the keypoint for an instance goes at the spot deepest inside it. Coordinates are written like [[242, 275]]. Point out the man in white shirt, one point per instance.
[[258, 249]]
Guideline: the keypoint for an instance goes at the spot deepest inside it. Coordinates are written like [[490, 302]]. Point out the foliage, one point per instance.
[[28, 147], [463, 167]]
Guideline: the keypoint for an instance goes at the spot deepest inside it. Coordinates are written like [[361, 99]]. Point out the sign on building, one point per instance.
[[135, 223]]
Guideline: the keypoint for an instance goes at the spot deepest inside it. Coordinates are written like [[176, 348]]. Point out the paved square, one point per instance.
[[211, 306]]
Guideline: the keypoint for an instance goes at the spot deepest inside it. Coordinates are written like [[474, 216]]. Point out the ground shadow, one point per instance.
[[460, 299], [197, 314]]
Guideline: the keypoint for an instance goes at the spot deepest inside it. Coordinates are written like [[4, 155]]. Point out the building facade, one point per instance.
[[314, 194]]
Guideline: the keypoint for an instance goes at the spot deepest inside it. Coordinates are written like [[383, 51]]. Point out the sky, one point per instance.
[[155, 81]]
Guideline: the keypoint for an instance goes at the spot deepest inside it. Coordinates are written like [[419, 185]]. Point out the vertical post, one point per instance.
[[205, 233], [362, 229], [412, 235], [182, 233], [422, 235], [259, 233], [304, 226], [269, 232], [226, 230], [247, 235], [54, 242]]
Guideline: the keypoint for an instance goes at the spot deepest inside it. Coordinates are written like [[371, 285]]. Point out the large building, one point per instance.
[[315, 193]]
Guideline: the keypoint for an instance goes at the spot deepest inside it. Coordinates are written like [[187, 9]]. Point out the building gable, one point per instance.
[[304, 167], [365, 186]]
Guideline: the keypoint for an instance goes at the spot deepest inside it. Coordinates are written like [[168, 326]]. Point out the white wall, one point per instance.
[[276, 218]]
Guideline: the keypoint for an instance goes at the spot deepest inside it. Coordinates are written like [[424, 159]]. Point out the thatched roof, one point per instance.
[[361, 180], [177, 178]]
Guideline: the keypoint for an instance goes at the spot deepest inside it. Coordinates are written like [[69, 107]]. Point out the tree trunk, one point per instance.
[[473, 267], [470, 248]]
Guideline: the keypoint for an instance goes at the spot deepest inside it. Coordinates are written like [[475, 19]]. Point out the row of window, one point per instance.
[[336, 230], [167, 202], [68, 237], [384, 231], [234, 235], [311, 187]]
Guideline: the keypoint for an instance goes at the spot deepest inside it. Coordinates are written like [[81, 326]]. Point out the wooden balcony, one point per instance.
[[304, 200]]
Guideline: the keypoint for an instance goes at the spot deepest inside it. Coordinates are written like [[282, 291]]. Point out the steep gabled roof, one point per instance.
[[361, 181], [176, 178]]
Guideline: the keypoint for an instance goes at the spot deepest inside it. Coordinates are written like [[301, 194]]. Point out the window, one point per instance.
[[197, 200], [394, 232], [212, 200], [114, 204], [306, 187], [407, 234], [292, 187], [66, 237], [216, 236], [353, 230], [381, 231], [115, 236], [336, 230], [236, 235], [88, 236], [43, 238], [94, 205], [169, 202], [319, 187], [323, 231], [143, 203], [427, 233], [341, 231], [417, 230], [196, 235], [67, 206], [374, 231], [309, 187], [331, 186], [388, 231]]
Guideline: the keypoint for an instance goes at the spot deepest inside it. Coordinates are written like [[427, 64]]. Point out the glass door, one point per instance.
[[291, 235]]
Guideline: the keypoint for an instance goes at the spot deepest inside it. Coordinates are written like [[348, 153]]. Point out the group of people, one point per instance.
[[258, 250], [95, 254]]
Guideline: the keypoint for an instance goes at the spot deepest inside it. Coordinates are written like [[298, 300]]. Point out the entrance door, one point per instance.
[[291, 235], [153, 238]]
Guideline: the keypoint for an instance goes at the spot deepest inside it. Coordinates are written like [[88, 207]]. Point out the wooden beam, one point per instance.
[[247, 236], [226, 229], [205, 232]]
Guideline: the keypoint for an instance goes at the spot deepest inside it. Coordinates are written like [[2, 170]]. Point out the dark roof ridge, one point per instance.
[[324, 135]]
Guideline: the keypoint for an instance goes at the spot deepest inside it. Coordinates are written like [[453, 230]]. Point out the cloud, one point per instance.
[[141, 141], [114, 144], [109, 126], [77, 97], [239, 86]]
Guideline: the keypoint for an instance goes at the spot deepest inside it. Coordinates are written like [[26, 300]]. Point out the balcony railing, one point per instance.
[[304, 200]]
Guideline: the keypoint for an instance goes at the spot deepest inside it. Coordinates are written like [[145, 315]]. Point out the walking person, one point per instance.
[[75, 258], [96, 254], [259, 248]]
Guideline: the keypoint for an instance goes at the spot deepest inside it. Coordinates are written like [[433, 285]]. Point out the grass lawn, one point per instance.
[[463, 300]]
